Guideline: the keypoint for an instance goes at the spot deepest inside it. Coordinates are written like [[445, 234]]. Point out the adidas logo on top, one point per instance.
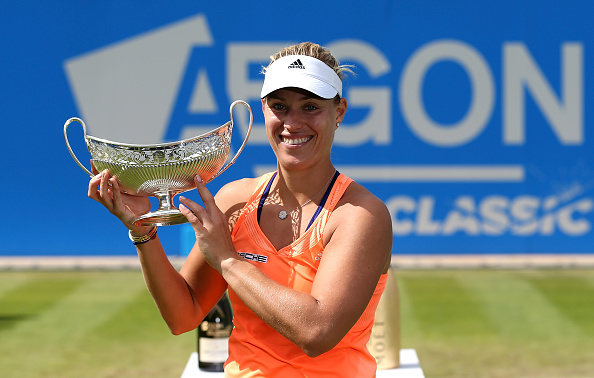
[[297, 64]]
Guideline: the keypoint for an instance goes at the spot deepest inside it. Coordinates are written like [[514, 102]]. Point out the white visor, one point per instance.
[[302, 71]]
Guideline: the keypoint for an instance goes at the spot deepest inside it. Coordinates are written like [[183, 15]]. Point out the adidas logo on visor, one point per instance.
[[297, 64]]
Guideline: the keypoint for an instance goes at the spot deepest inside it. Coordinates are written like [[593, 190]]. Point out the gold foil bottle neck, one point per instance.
[[384, 342]]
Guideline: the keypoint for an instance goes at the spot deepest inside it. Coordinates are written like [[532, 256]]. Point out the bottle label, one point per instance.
[[213, 350]]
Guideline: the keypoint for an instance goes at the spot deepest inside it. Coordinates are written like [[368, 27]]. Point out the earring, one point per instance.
[[337, 124]]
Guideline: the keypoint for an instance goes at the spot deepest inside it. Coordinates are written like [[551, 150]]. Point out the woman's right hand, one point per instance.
[[105, 189]]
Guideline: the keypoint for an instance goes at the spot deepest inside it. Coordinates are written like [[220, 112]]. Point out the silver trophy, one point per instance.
[[163, 170]]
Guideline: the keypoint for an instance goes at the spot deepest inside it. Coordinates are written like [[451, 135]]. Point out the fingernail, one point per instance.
[[198, 178], [182, 198]]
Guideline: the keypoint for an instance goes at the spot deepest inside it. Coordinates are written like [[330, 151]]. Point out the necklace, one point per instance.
[[283, 214]]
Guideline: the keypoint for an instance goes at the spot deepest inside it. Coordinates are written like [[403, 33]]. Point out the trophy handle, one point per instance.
[[247, 135], [68, 144]]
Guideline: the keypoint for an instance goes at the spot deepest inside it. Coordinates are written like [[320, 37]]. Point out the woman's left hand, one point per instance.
[[210, 226]]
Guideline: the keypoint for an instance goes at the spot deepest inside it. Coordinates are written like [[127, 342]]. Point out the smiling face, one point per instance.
[[300, 126]]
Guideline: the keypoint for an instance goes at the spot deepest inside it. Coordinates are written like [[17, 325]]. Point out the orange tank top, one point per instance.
[[255, 348]]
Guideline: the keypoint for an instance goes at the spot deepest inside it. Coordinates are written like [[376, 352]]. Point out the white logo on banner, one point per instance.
[[125, 91], [523, 215], [133, 91]]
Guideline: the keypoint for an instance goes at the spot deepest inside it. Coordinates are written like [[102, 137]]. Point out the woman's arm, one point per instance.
[[181, 305], [183, 298]]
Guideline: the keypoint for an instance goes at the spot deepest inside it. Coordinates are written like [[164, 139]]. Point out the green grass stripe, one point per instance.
[[11, 280], [443, 307], [572, 296], [527, 335], [58, 332], [516, 307], [409, 326], [138, 326], [133, 319], [36, 292]]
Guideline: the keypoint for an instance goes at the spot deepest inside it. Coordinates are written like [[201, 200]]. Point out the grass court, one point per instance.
[[462, 323]]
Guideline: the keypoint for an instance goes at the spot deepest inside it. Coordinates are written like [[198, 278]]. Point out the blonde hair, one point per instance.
[[315, 51]]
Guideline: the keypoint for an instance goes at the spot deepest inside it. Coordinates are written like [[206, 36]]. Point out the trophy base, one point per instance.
[[161, 218]]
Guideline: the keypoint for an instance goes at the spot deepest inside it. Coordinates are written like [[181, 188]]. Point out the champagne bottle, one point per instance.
[[213, 336], [384, 342]]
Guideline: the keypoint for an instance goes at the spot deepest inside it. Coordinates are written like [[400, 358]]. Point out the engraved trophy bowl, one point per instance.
[[163, 170]]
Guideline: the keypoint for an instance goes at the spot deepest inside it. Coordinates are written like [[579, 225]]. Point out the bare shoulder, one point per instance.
[[357, 200], [233, 197], [236, 193], [362, 221]]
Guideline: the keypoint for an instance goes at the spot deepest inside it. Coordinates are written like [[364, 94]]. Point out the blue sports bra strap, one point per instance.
[[264, 195], [324, 199]]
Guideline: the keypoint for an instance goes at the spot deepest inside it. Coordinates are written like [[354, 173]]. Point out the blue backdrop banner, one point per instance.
[[467, 118]]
